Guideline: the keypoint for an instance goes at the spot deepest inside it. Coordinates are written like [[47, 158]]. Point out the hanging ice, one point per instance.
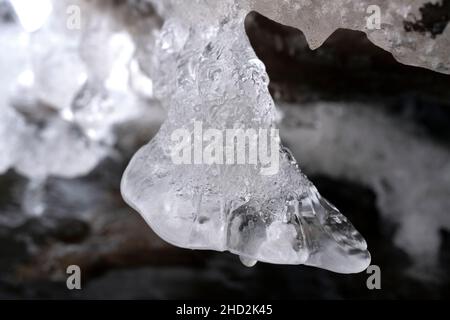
[[207, 71], [75, 86]]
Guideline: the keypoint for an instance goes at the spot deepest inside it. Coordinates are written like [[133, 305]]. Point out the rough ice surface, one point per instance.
[[73, 87], [66, 88], [280, 219], [207, 71], [78, 84], [318, 19]]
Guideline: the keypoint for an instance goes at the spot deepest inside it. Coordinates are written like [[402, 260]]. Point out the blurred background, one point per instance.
[[76, 102]]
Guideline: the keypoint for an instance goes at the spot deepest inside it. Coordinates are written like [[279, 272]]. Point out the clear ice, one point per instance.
[[207, 71], [74, 87]]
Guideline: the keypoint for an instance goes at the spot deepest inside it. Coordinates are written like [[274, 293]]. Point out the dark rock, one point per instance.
[[434, 20]]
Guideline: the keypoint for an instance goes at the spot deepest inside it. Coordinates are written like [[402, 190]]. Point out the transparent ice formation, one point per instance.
[[207, 71], [332, 131], [64, 91]]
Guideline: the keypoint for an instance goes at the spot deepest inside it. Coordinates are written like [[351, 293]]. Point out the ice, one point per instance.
[[12, 39], [335, 130], [67, 86], [65, 92], [206, 71], [318, 19], [32, 14]]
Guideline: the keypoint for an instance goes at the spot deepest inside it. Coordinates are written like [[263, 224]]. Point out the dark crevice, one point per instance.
[[434, 20], [444, 252]]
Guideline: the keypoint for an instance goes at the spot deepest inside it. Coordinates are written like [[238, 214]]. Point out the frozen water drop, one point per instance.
[[248, 262]]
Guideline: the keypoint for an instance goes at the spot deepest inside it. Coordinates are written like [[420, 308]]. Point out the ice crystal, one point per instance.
[[72, 87], [207, 71]]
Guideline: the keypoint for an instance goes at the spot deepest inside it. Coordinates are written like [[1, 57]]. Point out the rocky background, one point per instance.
[[361, 95]]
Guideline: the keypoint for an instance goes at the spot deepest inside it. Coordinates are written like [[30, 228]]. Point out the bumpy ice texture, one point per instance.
[[65, 89], [205, 70], [425, 47]]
